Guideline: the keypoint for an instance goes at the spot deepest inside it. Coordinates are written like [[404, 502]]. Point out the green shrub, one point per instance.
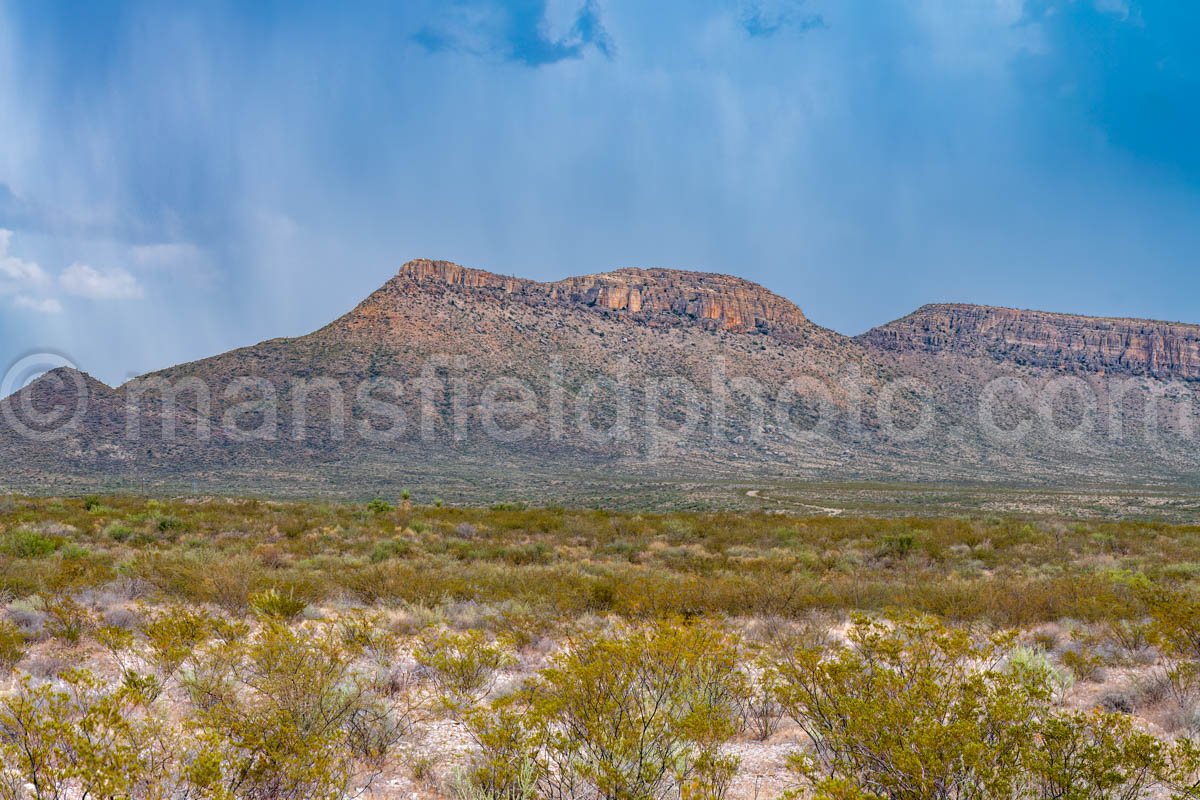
[[82, 740], [762, 713], [28, 544], [900, 713], [67, 619], [1176, 620], [12, 646], [201, 575], [118, 532], [168, 523], [271, 604], [378, 506], [96, 507], [389, 549], [71, 550], [301, 725], [642, 713], [463, 666], [170, 637], [1095, 755], [1130, 637], [367, 633], [897, 545], [915, 710], [1085, 664]]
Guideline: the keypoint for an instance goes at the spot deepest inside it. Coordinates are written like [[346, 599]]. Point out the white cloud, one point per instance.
[[46, 305], [32, 288], [17, 275], [166, 254], [1118, 8], [109, 284]]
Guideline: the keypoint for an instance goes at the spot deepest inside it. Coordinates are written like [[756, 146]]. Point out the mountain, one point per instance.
[[479, 383], [1163, 350], [1113, 399], [589, 352]]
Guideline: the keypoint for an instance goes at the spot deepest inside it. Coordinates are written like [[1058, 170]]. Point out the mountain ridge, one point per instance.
[[1124, 345], [725, 301], [450, 275], [757, 387]]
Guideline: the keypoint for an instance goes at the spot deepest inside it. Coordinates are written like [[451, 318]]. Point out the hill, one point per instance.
[[485, 383]]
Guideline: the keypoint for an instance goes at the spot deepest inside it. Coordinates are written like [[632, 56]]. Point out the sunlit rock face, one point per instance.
[[1162, 350]]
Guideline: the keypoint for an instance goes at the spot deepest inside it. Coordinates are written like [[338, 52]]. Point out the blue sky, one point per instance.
[[177, 180]]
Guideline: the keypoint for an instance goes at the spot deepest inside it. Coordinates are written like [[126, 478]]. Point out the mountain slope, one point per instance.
[[652, 373], [605, 341], [1089, 396]]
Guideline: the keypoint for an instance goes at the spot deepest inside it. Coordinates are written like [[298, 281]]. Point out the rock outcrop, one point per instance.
[[1163, 350], [659, 295], [731, 303]]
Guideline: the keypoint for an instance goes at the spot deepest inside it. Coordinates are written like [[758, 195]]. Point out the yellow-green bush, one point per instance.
[[639, 714], [82, 740], [463, 666], [302, 722], [12, 646], [918, 711]]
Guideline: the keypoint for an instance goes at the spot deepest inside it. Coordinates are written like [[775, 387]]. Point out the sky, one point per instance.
[[180, 179]]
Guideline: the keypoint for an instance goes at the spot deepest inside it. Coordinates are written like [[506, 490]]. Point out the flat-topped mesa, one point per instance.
[[720, 301], [1166, 350], [730, 303]]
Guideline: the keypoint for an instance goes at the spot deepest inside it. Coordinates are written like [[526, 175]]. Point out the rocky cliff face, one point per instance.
[[1039, 339], [650, 295], [729, 303]]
